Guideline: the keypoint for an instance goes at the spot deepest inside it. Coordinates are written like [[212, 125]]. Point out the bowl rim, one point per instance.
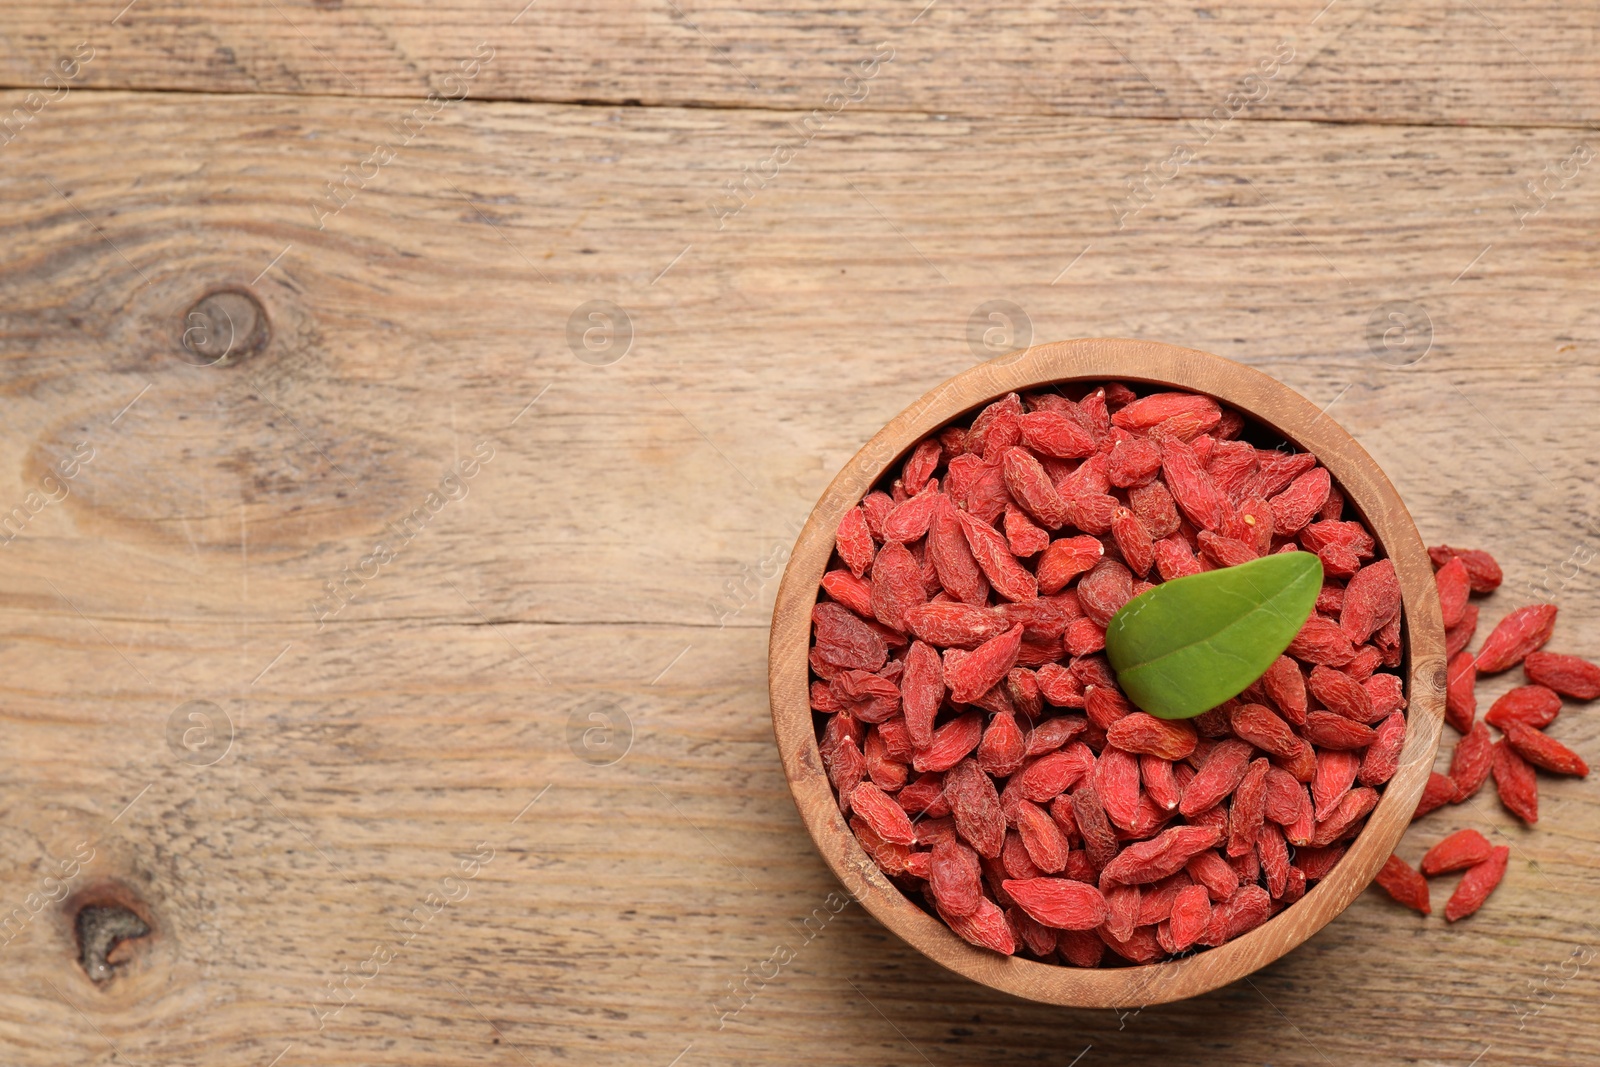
[[1265, 400]]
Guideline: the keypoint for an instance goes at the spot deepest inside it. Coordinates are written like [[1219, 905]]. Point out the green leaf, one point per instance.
[[1191, 643]]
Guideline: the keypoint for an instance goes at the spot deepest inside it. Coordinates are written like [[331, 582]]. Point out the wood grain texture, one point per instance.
[[1511, 62], [619, 550], [1268, 403]]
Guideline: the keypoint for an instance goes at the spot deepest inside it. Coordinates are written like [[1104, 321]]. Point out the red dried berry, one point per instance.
[[1459, 636], [1440, 790], [1008, 577], [845, 640], [1052, 433], [972, 674], [1523, 631], [975, 805], [1145, 734], [887, 819], [1054, 773], [1370, 600], [910, 520], [1321, 641], [1531, 705], [1286, 686], [1469, 764], [955, 878], [958, 571], [1514, 780], [1482, 570], [950, 743], [854, 541], [1462, 849], [1477, 884], [1327, 729], [1567, 675], [1404, 884], [1461, 691], [1248, 809], [1022, 536], [1060, 903], [1336, 773], [1341, 823], [1046, 845], [1340, 693], [1002, 749], [986, 928], [1191, 487], [1065, 559], [1149, 861], [1099, 840], [1299, 503], [1104, 590], [1217, 777], [1191, 914], [896, 585], [1454, 588], [1544, 751], [1383, 756]]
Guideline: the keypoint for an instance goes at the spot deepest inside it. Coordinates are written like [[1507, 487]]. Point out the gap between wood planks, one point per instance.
[[1112, 114]]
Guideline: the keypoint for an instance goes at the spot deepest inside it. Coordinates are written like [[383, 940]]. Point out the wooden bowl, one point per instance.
[[1270, 403]]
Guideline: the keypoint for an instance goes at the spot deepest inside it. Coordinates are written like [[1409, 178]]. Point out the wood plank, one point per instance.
[[612, 554], [1515, 62]]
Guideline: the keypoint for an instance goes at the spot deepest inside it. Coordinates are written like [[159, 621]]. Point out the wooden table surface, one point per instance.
[[511, 796]]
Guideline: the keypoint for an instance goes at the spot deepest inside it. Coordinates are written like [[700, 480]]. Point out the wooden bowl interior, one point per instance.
[[1272, 405]]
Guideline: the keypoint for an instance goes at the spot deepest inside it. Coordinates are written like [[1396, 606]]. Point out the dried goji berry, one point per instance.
[[1191, 487], [896, 585], [1008, 577], [1321, 641], [1299, 503], [1248, 809], [1544, 751], [1336, 773], [1014, 856], [1405, 885], [1383, 756], [1170, 851], [1286, 686], [1341, 823], [1531, 705], [1469, 764], [1052, 433], [1454, 587], [1032, 488], [1191, 914], [1461, 691], [1460, 850], [854, 541], [1116, 782], [1567, 675], [1327, 729], [1065, 559], [1370, 600], [1104, 590], [1046, 845], [1133, 541], [1340, 693], [1217, 777], [1483, 571], [1054, 773], [911, 519], [1160, 782], [970, 675], [1523, 631], [1002, 749], [1099, 840], [1060, 903], [887, 819], [1440, 790], [1225, 551], [1459, 636], [986, 927], [845, 640], [1138, 732], [1477, 884], [975, 806], [1022, 536], [955, 878], [1514, 780], [950, 743], [1155, 507]]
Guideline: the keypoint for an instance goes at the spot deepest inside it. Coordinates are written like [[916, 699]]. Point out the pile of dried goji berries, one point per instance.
[[976, 738], [1521, 715]]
